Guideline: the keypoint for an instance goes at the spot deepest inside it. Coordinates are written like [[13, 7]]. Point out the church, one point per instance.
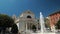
[[27, 21]]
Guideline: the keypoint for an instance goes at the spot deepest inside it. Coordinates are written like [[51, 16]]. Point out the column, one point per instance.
[[37, 27], [26, 26]]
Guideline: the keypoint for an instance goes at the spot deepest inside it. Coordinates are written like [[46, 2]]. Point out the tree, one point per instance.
[[34, 28], [47, 24], [58, 25], [5, 21], [14, 29]]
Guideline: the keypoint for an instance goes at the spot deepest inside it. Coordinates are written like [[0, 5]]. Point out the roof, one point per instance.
[[54, 13], [28, 11]]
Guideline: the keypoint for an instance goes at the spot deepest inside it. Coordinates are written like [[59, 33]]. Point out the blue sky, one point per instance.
[[16, 7]]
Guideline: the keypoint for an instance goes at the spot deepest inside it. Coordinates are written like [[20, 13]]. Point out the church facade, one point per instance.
[[27, 21]]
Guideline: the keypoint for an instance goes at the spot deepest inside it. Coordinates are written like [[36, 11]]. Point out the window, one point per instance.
[[28, 16]]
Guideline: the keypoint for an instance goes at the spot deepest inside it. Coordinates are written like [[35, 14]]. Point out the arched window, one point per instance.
[[28, 16]]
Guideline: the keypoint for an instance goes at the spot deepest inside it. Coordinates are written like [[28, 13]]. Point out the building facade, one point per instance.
[[53, 19], [26, 21]]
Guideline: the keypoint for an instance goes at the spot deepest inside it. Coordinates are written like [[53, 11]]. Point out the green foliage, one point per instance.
[[47, 24], [33, 27], [58, 25], [14, 29], [6, 21]]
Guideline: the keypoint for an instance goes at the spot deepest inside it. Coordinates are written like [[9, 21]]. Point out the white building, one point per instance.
[[26, 21]]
